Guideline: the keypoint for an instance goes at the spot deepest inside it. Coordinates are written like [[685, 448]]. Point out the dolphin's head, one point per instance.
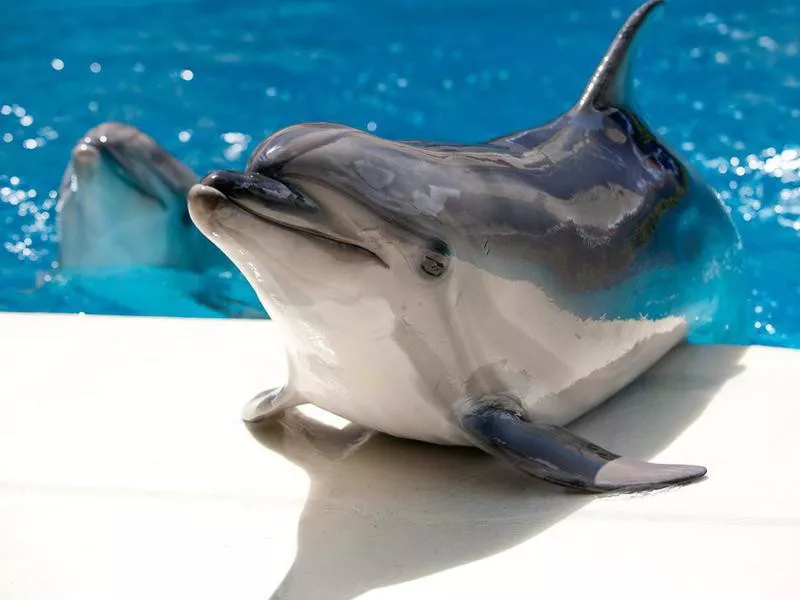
[[123, 202], [319, 205]]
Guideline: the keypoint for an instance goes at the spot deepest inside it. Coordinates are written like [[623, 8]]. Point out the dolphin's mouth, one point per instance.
[[93, 152], [274, 203]]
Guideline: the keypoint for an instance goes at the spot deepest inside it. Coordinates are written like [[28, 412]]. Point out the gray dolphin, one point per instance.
[[124, 226], [482, 295], [123, 202]]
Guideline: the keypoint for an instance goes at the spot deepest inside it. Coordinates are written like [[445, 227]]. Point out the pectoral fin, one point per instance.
[[556, 455], [268, 404]]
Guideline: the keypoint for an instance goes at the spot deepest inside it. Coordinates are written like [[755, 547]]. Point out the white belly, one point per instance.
[[366, 376], [402, 369]]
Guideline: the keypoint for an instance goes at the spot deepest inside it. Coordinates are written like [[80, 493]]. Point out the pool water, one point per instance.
[[720, 80]]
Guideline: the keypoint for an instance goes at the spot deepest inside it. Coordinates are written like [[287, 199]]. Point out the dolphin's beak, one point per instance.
[[85, 158], [276, 203], [260, 195]]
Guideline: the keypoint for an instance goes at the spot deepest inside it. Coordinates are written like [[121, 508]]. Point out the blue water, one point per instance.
[[720, 80]]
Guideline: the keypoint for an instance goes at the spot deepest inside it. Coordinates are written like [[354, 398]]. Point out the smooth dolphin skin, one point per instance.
[[123, 202], [481, 295]]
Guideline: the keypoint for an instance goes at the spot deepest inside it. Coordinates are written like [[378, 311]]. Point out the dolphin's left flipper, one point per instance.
[[556, 455]]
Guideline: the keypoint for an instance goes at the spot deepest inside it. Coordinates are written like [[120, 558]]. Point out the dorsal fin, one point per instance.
[[610, 81]]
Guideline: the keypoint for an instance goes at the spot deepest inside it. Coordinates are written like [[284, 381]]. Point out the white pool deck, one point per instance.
[[125, 473]]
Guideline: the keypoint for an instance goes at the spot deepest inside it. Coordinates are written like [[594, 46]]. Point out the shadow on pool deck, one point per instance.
[[383, 511]]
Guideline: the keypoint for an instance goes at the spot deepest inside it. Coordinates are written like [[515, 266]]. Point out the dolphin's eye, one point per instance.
[[436, 258]]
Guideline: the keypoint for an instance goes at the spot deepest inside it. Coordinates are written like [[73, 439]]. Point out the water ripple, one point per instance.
[[719, 80]]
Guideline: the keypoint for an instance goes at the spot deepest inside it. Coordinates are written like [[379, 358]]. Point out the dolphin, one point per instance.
[[123, 202], [485, 294], [124, 226]]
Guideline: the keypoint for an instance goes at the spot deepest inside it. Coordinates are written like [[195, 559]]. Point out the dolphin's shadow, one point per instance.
[[381, 511]]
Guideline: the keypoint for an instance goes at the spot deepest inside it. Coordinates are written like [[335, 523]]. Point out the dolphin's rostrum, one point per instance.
[[484, 294]]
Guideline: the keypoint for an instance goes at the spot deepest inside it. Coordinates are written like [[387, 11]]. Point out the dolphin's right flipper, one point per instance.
[[268, 404], [556, 455]]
